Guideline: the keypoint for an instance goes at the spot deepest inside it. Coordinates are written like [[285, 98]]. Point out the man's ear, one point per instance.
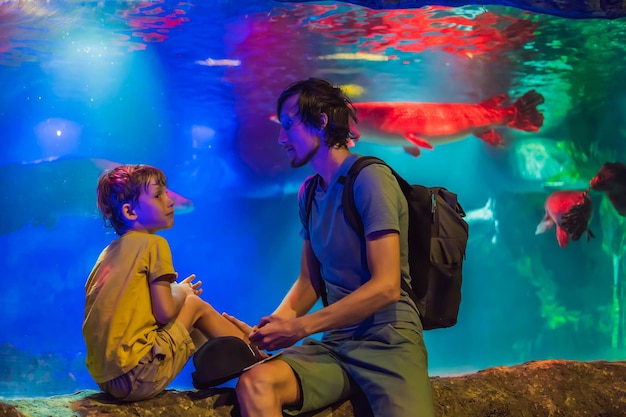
[[323, 121], [128, 212]]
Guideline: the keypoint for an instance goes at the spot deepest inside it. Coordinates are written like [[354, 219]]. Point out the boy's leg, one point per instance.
[[172, 349], [198, 338], [198, 314]]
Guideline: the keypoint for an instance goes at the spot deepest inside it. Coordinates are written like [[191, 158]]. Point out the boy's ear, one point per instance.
[[128, 212]]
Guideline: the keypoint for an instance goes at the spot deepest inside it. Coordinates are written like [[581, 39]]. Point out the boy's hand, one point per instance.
[[191, 287]]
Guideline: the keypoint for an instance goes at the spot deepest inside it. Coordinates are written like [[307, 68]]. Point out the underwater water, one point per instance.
[[190, 88]]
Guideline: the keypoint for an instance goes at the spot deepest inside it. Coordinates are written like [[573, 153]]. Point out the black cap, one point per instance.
[[219, 360]]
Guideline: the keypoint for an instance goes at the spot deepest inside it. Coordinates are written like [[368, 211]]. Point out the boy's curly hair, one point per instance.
[[122, 185]]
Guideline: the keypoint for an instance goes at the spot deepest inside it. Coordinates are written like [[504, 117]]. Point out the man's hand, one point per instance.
[[247, 331], [242, 325], [275, 332]]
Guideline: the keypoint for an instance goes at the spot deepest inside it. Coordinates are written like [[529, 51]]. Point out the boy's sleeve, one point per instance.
[[160, 259]]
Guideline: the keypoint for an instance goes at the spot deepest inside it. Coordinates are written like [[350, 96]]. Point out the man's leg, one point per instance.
[[391, 367], [304, 378], [263, 390]]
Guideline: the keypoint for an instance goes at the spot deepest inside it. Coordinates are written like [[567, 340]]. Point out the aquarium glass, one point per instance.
[[191, 88]]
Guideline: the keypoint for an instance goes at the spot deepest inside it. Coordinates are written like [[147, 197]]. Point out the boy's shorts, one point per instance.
[[172, 349], [388, 366]]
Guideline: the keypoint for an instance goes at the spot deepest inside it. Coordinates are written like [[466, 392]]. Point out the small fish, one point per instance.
[[210, 62], [485, 213], [352, 90], [484, 219], [357, 56], [424, 125], [611, 179], [571, 211]]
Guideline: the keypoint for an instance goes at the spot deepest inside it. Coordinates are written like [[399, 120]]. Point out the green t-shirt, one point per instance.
[[341, 251]]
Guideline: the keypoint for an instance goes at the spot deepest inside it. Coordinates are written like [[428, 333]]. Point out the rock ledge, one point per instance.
[[553, 388]]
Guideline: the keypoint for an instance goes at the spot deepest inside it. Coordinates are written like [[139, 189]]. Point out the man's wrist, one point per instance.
[[304, 325]]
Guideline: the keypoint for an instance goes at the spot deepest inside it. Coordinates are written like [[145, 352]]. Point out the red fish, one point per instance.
[[571, 211], [611, 179], [425, 125]]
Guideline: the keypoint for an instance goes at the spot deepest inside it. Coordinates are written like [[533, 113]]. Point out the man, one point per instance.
[[373, 336]]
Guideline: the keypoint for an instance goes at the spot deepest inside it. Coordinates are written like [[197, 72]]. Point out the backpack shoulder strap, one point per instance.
[[309, 194], [310, 186], [350, 210]]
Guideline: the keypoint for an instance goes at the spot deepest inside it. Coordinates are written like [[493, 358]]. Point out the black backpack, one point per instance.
[[437, 241]]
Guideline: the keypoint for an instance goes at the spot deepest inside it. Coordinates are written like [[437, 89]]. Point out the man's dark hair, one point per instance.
[[317, 96]]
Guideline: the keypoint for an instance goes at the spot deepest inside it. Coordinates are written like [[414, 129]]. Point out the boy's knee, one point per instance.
[[193, 309], [198, 304]]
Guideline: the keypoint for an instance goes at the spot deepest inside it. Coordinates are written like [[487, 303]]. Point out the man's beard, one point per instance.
[[300, 162]]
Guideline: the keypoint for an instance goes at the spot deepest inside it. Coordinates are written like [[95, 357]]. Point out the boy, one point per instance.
[[139, 321]]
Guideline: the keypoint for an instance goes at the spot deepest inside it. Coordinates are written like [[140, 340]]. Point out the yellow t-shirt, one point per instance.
[[119, 327]]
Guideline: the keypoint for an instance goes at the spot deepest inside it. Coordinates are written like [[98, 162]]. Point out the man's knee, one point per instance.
[[273, 381], [255, 382]]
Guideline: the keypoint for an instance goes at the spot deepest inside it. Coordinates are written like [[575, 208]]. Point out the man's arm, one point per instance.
[[383, 288], [299, 299], [302, 295], [289, 324]]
